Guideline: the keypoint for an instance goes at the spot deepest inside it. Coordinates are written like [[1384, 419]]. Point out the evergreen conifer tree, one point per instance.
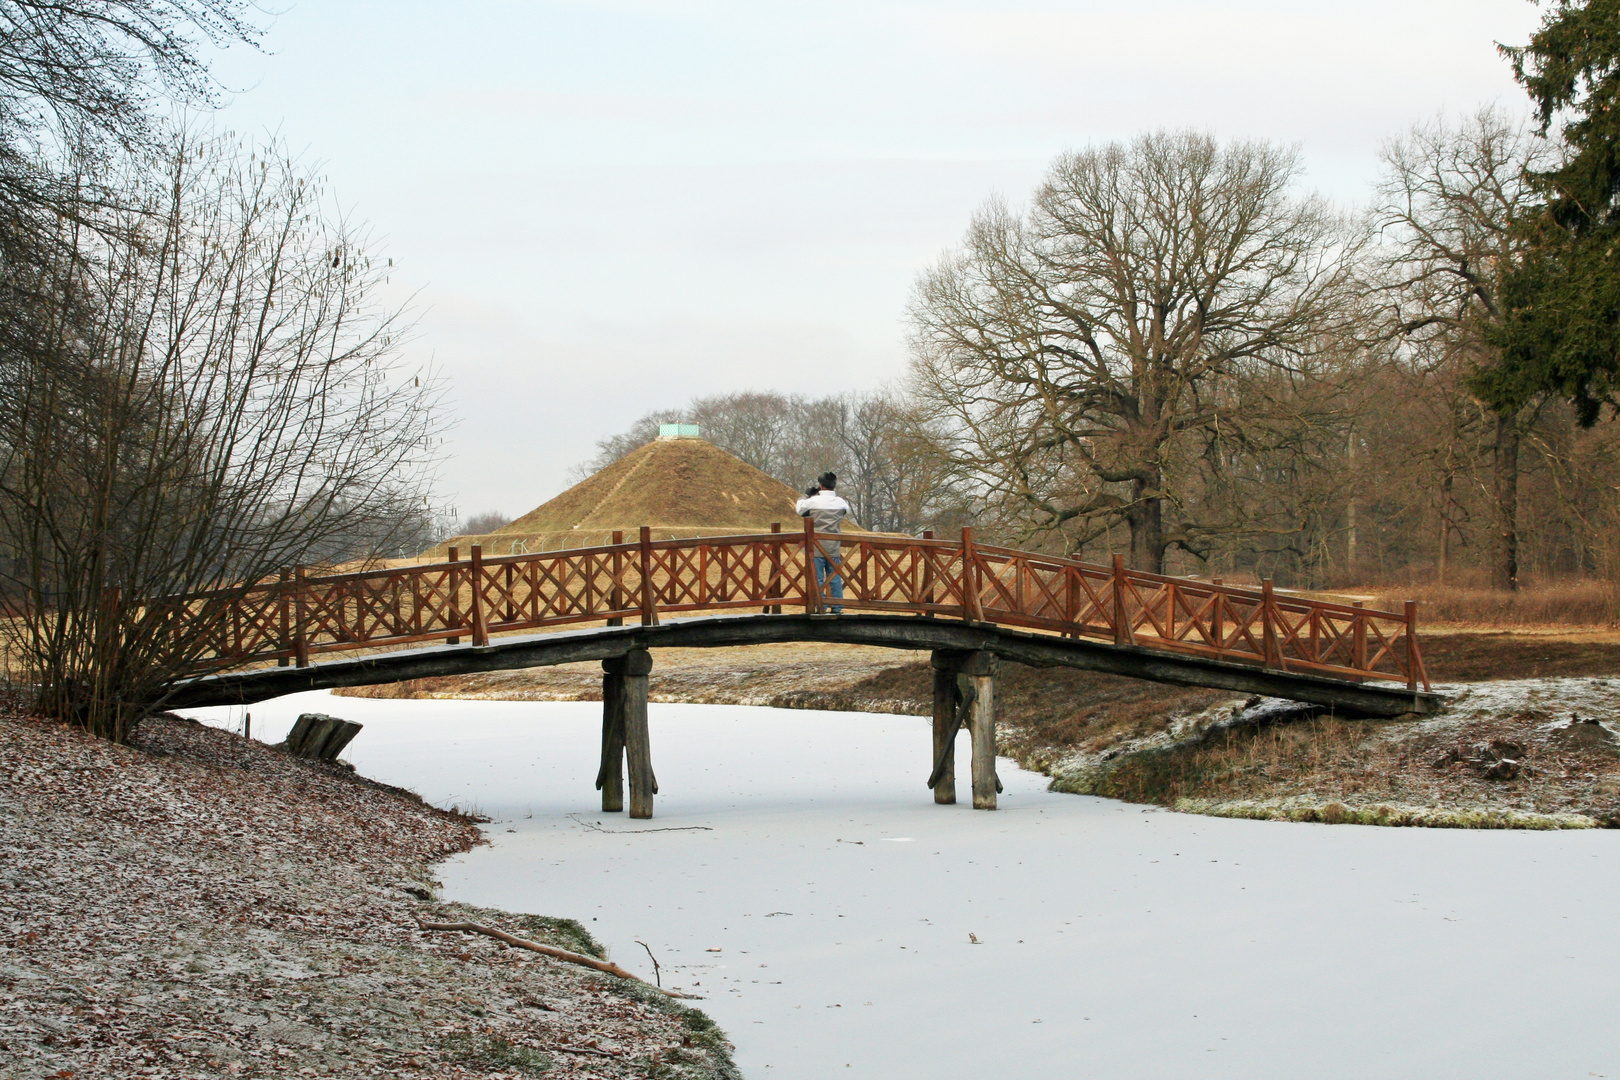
[[1561, 331]]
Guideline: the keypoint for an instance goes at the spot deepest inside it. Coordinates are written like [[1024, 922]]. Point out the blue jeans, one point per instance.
[[828, 568]]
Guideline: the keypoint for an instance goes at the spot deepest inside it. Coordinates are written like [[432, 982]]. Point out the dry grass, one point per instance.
[[1369, 772], [1483, 657], [1569, 603], [1244, 762]]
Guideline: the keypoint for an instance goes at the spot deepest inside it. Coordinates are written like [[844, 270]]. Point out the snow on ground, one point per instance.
[[1599, 697], [799, 875]]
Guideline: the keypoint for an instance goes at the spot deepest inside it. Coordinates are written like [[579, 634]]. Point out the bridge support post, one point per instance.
[[629, 701], [982, 726], [965, 693], [610, 778], [946, 703]]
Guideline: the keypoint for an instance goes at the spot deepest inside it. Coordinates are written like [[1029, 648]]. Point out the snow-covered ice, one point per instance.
[[799, 875]]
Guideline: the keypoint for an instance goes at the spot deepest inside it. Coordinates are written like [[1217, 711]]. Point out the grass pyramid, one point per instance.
[[681, 488]]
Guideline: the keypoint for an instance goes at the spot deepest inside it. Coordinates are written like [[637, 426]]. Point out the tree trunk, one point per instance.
[[1506, 476], [1350, 512], [1445, 529], [1146, 519]]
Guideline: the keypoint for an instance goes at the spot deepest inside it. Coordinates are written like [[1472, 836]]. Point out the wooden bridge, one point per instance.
[[970, 604]]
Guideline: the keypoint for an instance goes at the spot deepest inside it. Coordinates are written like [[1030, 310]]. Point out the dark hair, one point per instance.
[[828, 479]]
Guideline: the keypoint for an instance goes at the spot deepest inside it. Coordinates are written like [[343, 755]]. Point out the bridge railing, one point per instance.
[[303, 614]]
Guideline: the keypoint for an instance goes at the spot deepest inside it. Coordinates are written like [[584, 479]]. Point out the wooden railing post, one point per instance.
[[454, 589], [1071, 602], [300, 618], [1216, 608], [1412, 660], [1268, 624], [284, 617], [1358, 638], [812, 590], [480, 630], [616, 592], [927, 576], [773, 587], [971, 609], [649, 606], [1122, 619]]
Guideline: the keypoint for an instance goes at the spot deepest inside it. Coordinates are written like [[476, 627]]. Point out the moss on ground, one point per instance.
[[1338, 813]]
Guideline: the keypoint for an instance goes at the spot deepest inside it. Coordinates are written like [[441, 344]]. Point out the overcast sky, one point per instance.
[[606, 207]]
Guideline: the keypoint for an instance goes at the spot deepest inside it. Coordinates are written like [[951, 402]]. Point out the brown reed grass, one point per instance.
[[1582, 602]]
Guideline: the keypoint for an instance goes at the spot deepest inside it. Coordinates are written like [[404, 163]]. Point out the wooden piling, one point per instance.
[[982, 727], [965, 692], [637, 745], [945, 725], [610, 777]]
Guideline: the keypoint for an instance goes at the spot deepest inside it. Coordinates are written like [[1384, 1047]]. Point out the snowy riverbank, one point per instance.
[[201, 906], [1113, 941]]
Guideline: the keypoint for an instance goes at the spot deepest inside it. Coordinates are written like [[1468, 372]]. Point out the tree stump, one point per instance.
[[319, 736]]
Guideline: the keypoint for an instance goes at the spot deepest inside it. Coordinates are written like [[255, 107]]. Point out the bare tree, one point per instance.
[[486, 522], [204, 391], [1079, 354], [82, 79], [1446, 208]]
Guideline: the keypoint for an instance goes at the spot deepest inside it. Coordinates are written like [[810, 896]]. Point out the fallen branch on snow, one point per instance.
[[548, 950], [596, 827]]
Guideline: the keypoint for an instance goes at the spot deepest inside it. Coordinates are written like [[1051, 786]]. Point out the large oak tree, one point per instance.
[[1095, 359]]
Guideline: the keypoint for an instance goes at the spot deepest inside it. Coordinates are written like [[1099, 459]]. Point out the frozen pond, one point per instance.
[[827, 908]]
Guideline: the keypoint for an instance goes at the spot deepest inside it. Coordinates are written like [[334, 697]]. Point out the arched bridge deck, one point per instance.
[[969, 604]]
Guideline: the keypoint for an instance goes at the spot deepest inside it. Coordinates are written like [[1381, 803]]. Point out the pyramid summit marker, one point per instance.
[[681, 486], [679, 431]]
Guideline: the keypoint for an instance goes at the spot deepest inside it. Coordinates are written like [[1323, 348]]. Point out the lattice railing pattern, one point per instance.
[[468, 600]]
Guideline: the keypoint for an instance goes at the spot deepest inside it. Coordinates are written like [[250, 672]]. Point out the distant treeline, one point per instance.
[[1174, 352]]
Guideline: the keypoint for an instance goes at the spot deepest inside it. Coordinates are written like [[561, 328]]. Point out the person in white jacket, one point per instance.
[[826, 511]]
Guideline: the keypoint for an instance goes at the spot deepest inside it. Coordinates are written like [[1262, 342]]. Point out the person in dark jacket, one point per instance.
[[826, 511]]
